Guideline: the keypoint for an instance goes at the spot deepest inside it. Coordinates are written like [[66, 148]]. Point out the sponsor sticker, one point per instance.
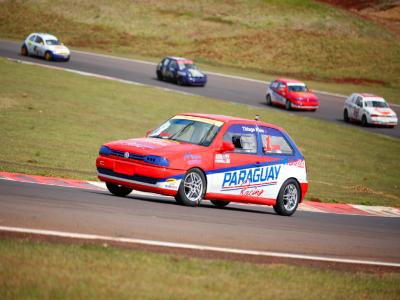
[[222, 158]]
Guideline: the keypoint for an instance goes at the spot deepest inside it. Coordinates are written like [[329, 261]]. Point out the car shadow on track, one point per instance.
[[170, 201]]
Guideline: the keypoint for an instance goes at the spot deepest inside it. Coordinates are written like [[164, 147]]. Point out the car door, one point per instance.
[[357, 111], [31, 43], [230, 175], [277, 155], [39, 47], [279, 93], [172, 69]]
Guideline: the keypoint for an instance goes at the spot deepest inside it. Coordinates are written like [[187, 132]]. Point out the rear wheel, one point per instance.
[[48, 56], [346, 116], [24, 51], [192, 188], [118, 190], [364, 121], [268, 98], [288, 198], [219, 203], [288, 105]]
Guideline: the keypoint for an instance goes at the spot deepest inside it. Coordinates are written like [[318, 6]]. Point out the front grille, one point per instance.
[[131, 155]]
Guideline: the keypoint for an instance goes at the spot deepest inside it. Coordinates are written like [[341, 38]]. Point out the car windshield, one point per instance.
[[188, 130], [372, 103], [297, 88], [53, 42], [186, 65]]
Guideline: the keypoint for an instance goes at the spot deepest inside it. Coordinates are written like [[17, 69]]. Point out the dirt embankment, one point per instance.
[[385, 12]]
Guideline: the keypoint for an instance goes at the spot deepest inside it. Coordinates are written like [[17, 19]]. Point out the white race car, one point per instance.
[[369, 110], [45, 45]]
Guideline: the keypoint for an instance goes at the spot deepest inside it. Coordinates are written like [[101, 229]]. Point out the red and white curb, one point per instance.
[[309, 206]]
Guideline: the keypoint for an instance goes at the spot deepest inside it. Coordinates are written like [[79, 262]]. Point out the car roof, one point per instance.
[[367, 95], [45, 36], [229, 119], [286, 80], [178, 58]]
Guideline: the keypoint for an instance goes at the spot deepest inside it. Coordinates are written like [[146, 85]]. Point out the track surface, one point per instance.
[[159, 218], [218, 87]]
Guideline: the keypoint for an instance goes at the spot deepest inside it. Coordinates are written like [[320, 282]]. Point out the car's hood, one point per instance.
[[380, 111], [195, 73], [153, 146], [58, 48], [304, 96]]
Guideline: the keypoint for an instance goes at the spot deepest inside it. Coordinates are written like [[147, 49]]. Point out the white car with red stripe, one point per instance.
[[369, 109]]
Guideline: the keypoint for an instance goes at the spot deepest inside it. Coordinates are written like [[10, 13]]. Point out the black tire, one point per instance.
[[24, 50], [220, 203], [269, 101], [179, 80], [159, 75], [192, 188], [67, 59], [288, 105], [48, 56], [346, 116], [118, 190], [364, 121], [288, 198]]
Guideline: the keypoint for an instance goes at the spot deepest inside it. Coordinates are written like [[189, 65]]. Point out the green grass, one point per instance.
[[298, 38], [53, 123], [33, 270]]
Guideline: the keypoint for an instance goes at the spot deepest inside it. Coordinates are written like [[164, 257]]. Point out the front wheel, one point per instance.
[[288, 198], [219, 203], [48, 56], [192, 188], [159, 75], [179, 81], [288, 105], [364, 121], [118, 190]]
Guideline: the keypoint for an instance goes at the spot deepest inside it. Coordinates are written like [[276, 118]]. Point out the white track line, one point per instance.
[[196, 247]]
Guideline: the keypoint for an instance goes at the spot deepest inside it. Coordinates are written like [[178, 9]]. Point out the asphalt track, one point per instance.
[[159, 218], [234, 89]]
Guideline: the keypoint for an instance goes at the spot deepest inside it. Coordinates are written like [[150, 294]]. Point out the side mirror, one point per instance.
[[227, 147], [149, 131]]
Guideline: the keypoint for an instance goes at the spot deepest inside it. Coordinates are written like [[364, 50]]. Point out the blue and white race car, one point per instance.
[[180, 70], [45, 45]]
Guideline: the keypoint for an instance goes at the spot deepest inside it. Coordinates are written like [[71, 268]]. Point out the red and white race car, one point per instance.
[[198, 156], [291, 94], [369, 110]]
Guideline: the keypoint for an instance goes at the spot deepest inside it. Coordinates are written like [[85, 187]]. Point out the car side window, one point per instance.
[[173, 64], [165, 62], [32, 38], [281, 85], [243, 137], [359, 102], [274, 142], [274, 85], [39, 40]]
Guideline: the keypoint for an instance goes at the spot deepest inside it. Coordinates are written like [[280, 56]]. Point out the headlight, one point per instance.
[[156, 160], [104, 150], [299, 99]]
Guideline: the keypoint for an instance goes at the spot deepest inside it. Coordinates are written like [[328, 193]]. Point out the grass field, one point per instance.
[[32, 270], [296, 38], [53, 123]]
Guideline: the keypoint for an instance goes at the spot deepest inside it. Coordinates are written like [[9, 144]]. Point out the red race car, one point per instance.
[[291, 94], [198, 156]]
